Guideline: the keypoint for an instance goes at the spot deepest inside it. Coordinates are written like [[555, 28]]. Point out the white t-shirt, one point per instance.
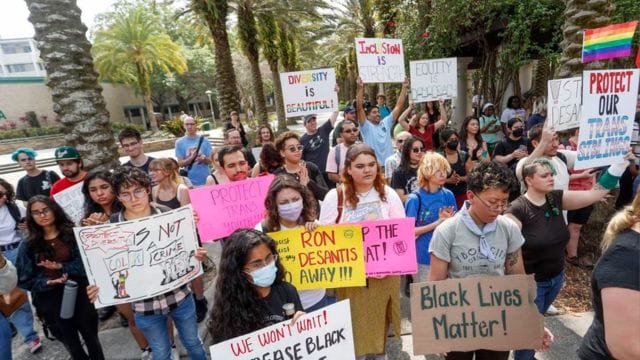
[[370, 207], [308, 298], [8, 234]]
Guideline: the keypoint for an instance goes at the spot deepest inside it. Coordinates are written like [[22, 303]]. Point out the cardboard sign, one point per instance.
[[564, 103], [434, 79], [226, 207], [389, 247], [139, 259], [329, 257], [309, 92], [491, 312], [71, 200], [608, 111], [322, 334], [380, 60]]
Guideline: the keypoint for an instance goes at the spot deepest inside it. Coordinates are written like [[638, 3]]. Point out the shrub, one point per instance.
[[174, 126]]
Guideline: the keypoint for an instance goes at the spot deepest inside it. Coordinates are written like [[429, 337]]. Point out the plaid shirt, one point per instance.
[[161, 304]]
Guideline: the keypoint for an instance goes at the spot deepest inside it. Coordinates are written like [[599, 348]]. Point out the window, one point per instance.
[[19, 68], [16, 48]]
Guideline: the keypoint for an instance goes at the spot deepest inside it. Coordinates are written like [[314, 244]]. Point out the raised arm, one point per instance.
[[402, 120], [395, 113], [362, 117]]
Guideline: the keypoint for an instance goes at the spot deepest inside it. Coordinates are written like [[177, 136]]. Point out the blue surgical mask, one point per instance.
[[290, 211], [265, 276]]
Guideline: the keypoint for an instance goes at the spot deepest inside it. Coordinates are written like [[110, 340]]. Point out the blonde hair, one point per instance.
[[431, 163], [621, 221], [170, 167]]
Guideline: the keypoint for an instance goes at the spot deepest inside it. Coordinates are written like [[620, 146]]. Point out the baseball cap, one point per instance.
[[66, 153], [349, 109], [487, 105], [309, 117]]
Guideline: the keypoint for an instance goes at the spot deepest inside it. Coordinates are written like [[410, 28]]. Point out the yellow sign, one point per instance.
[[329, 257]]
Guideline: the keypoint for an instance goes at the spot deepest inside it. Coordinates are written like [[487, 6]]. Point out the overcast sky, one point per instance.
[[14, 14]]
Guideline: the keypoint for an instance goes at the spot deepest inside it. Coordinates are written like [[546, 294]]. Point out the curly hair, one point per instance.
[[284, 137], [407, 146], [92, 206], [128, 176], [270, 158], [491, 175], [347, 181], [259, 135], [287, 182], [237, 306], [35, 239], [510, 101], [8, 189]]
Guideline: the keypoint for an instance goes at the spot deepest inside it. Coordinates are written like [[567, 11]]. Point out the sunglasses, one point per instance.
[[296, 148], [417, 150]]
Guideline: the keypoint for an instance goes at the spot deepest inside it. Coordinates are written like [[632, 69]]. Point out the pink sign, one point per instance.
[[389, 247], [226, 207]]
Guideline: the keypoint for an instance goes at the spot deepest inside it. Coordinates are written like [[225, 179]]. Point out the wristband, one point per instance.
[[608, 181]]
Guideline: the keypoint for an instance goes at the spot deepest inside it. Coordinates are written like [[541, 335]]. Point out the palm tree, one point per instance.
[[76, 94], [132, 48], [214, 13], [268, 31]]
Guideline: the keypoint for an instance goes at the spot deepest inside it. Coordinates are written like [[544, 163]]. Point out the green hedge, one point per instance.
[[28, 132]]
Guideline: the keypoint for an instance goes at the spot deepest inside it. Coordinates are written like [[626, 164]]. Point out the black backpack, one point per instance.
[[15, 213]]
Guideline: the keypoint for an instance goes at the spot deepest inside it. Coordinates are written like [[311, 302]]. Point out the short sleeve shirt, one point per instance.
[[332, 165], [405, 180], [454, 243], [281, 293], [378, 136], [199, 172], [484, 121], [316, 146], [29, 186]]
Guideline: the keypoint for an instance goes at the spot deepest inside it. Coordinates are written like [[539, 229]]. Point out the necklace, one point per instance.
[[365, 194]]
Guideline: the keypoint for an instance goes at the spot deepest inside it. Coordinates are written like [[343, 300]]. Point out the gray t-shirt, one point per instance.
[[454, 243]]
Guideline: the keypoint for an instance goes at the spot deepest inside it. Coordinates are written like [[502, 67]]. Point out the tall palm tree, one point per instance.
[[249, 44], [268, 31], [214, 13], [76, 94], [132, 48]]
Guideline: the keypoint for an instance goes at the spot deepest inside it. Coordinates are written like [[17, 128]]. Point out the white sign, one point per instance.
[[380, 60], [139, 259], [309, 92], [434, 79], [608, 111], [565, 99], [71, 200], [322, 334]]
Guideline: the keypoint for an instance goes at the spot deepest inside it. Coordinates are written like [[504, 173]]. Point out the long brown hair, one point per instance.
[[623, 220], [347, 181], [287, 182]]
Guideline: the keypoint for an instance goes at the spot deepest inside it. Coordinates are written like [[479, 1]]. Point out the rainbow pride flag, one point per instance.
[[608, 42]]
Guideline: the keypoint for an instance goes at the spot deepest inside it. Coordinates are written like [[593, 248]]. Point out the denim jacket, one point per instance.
[[32, 277]]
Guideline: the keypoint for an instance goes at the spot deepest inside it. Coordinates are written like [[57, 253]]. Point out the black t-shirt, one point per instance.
[[316, 184], [545, 235], [144, 167], [459, 168], [281, 293], [507, 146], [316, 146], [406, 180], [618, 267], [29, 186]]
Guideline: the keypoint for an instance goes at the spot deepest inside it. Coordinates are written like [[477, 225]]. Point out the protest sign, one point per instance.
[[322, 334], [139, 259], [564, 103], [226, 207], [380, 60], [328, 257], [434, 79], [491, 312], [608, 109], [389, 247], [309, 92], [71, 200]]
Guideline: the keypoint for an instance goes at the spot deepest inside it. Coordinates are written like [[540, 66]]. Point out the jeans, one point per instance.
[[22, 318], [154, 328], [5, 339], [547, 291]]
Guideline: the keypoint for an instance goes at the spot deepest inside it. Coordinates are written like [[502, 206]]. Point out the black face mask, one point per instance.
[[452, 145], [517, 132]]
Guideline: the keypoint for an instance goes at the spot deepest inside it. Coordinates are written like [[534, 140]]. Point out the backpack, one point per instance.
[[14, 211]]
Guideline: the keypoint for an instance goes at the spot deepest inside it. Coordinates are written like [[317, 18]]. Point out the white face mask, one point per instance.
[[290, 211]]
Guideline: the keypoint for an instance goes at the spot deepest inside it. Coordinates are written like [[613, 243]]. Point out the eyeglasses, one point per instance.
[[43, 212], [417, 150], [349, 131], [296, 148], [132, 144], [495, 206], [259, 264], [400, 141], [137, 193]]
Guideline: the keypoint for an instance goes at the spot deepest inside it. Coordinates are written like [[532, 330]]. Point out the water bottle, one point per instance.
[[69, 299], [289, 310]]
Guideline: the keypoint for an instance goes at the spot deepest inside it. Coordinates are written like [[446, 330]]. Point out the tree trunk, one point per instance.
[[75, 91], [143, 83], [277, 94], [216, 19]]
